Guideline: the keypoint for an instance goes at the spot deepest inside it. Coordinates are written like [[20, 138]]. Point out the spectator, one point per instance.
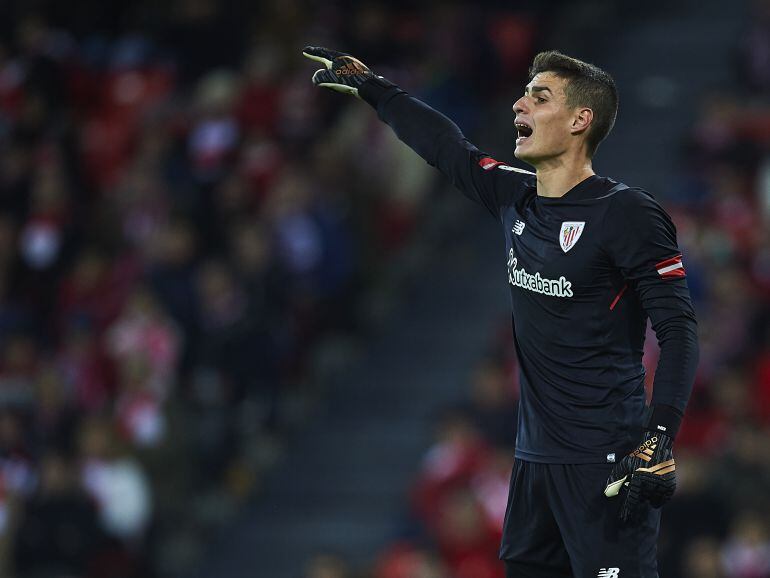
[[115, 482], [403, 560], [327, 566], [59, 532], [702, 559], [747, 551]]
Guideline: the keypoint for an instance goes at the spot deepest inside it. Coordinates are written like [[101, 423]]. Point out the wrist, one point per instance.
[[375, 88], [663, 419]]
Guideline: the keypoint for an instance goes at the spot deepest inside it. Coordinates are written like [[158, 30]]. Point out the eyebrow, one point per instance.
[[534, 89]]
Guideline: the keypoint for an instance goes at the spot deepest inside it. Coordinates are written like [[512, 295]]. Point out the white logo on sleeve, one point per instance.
[[608, 573], [514, 169], [518, 227], [570, 233]]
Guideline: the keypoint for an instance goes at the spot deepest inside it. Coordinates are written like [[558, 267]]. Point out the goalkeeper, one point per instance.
[[589, 261]]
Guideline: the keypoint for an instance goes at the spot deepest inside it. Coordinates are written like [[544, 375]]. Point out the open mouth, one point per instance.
[[523, 131]]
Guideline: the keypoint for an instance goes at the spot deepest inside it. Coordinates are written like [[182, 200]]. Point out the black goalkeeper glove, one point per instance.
[[648, 474], [342, 72]]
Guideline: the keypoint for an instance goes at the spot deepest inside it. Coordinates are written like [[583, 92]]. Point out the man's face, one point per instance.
[[543, 119]]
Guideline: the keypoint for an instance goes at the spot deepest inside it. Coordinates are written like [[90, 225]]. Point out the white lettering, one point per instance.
[[520, 278]]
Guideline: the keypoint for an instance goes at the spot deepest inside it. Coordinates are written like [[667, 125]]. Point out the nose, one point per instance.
[[520, 106]]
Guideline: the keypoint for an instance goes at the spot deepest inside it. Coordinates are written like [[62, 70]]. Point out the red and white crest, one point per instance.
[[570, 233]]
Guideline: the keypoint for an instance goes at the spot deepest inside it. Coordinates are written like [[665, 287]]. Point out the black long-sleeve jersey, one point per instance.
[[585, 272]]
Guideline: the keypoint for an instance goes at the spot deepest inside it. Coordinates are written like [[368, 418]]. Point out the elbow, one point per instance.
[[681, 329]]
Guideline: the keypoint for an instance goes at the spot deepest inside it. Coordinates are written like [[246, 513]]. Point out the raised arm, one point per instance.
[[429, 133]]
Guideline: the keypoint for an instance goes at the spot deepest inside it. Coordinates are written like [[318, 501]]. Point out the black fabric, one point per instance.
[[639, 236], [585, 272], [665, 419], [558, 524], [442, 144], [519, 570], [375, 89]]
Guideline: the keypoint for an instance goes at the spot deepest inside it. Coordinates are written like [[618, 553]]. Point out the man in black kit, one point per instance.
[[589, 260]]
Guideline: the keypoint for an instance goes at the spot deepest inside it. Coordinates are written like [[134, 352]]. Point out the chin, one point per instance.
[[526, 156]]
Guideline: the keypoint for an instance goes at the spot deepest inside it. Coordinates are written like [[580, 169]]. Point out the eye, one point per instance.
[[540, 99]]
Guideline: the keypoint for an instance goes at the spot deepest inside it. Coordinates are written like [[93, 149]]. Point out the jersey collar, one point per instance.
[[589, 188]]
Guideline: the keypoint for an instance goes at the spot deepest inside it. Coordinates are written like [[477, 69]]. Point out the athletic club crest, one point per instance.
[[570, 233]]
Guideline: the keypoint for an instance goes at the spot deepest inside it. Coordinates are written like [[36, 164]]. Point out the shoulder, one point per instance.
[[500, 170], [634, 210], [634, 203], [509, 184], [633, 197]]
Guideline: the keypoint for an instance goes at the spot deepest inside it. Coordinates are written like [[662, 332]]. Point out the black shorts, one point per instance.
[[559, 524]]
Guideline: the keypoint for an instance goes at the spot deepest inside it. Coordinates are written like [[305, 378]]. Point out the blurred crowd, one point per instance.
[[185, 224]]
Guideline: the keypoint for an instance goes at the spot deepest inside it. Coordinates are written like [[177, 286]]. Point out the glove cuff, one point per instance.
[[663, 419], [374, 89]]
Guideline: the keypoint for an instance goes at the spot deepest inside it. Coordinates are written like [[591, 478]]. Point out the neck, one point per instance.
[[557, 176]]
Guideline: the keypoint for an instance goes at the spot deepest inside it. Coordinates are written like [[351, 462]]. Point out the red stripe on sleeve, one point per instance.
[[488, 163], [667, 262]]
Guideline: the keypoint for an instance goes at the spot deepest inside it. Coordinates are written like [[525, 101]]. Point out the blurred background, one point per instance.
[[244, 332]]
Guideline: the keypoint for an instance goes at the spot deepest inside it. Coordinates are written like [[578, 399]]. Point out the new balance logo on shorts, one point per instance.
[[608, 573]]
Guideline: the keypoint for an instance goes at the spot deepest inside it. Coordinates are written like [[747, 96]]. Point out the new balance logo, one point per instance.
[[518, 227], [608, 573]]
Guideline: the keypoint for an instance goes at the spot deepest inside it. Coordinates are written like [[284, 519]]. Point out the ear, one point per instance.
[[582, 120]]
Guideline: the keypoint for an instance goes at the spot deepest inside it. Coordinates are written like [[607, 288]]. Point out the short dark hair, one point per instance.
[[587, 85]]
